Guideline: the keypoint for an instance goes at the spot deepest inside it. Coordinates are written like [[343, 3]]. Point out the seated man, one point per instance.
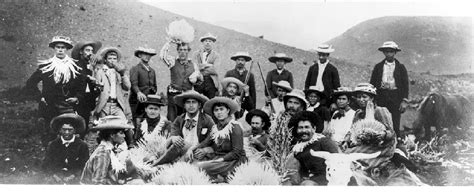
[[67, 154], [260, 123], [232, 89], [103, 166], [190, 132], [282, 88], [304, 168], [152, 124]]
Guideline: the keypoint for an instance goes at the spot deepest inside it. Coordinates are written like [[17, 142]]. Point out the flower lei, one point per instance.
[[301, 145], [117, 166], [63, 69], [156, 130], [223, 133]]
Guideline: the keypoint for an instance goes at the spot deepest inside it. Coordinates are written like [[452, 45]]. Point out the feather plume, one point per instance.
[[181, 173], [180, 31], [254, 173], [368, 132]]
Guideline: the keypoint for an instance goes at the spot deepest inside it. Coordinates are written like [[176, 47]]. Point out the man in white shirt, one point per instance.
[[323, 74]]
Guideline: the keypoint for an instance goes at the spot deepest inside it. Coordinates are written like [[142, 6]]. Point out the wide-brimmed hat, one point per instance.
[[155, 100], [179, 99], [389, 45], [314, 89], [324, 48], [296, 93], [366, 88], [149, 51], [76, 51], [342, 91], [208, 36], [225, 82], [75, 120], [61, 39], [233, 106], [112, 123], [279, 56], [283, 84], [245, 55], [106, 50], [259, 113]]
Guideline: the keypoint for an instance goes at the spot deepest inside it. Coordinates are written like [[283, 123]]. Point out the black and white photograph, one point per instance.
[[236, 93]]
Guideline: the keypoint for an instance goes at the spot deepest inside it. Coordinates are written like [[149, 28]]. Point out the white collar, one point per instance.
[[68, 141], [195, 118], [323, 64], [315, 105], [280, 71], [390, 64]]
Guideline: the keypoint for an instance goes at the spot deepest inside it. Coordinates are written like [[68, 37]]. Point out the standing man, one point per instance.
[[278, 74], [143, 80], [240, 73], [115, 86], [208, 60], [390, 77], [181, 68], [323, 74], [67, 154], [307, 169], [61, 79], [84, 53]]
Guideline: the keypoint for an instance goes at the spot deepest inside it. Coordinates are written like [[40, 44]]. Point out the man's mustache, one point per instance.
[[303, 133]]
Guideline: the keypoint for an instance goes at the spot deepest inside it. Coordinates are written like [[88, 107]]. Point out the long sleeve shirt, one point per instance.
[[233, 147], [143, 79], [68, 159]]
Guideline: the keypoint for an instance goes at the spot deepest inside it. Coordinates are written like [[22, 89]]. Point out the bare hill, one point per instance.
[[440, 45]]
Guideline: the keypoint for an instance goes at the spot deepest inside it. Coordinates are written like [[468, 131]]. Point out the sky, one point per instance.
[[305, 24]]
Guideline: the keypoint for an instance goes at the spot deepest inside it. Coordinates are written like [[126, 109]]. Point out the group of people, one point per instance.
[[93, 92]]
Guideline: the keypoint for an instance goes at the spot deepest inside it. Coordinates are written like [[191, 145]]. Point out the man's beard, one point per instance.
[[304, 133], [256, 131]]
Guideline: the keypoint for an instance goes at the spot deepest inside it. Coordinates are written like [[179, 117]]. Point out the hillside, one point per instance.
[[27, 27], [440, 45]]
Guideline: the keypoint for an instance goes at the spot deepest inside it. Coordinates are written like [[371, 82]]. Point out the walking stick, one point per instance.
[[266, 88]]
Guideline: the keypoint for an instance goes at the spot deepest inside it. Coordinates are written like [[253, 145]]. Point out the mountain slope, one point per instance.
[[440, 45]]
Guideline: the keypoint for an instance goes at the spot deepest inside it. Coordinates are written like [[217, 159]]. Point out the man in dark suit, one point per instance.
[[390, 77], [67, 154], [190, 132], [240, 72], [323, 74]]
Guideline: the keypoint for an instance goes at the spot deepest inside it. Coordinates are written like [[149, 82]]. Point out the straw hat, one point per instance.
[[106, 50], [324, 48], [366, 88], [112, 123], [208, 36], [76, 51], [61, 39], [389, 45], [149, 51], [342, 91], [313, 89], [233, 106], [69, 118], [296, 93], [283, 84], [155, 100], [179, 99], [279, 56], [245, 55], [225, 82]]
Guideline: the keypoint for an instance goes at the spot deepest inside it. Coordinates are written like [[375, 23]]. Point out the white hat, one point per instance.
[[61, 39], [366, 88], [389, 45], [208, 36], [325, 48], [241, 54]]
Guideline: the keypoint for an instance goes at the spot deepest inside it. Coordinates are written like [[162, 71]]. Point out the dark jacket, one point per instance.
[[330, 78], [87, 103], [204, 122], [273, 76], [399, 74], [142, 80], [251, 83], [76, 154], [232, 148], [54, 94]]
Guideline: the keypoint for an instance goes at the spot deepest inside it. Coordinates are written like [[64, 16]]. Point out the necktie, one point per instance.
[[190, 124]]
